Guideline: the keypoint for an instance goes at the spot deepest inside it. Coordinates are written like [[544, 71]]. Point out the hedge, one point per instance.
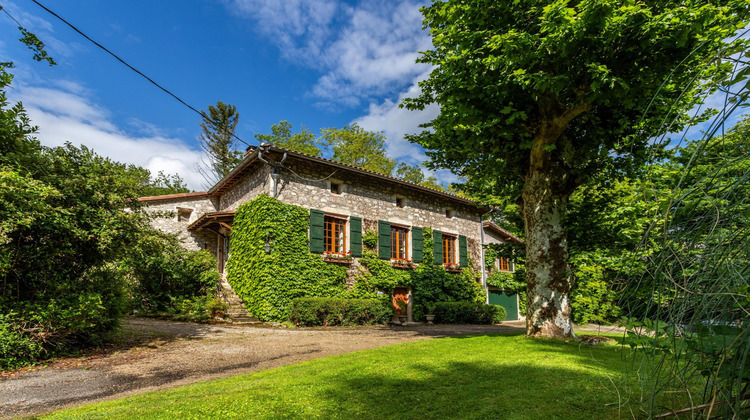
[[313, 312], [468, 313]]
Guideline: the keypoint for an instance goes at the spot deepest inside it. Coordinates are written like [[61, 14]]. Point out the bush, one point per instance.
[[163, 272], [16, 347], [468, 313], [312, 312], [194, 309]]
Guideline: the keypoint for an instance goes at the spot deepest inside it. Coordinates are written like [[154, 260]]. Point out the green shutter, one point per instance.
[[355, 235], [316, 231], [437, 247], [384, 240], [416, 244], [463, 254]]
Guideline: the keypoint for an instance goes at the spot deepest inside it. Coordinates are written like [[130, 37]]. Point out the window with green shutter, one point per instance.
[[316, 231], [355, 235], [384, 240], [416, 244], [463, 253], [437, 246]]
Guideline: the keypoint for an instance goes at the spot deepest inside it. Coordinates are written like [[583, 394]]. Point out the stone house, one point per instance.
[[344, 202]]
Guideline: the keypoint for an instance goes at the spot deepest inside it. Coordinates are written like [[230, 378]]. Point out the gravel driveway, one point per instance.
[[156, 354]]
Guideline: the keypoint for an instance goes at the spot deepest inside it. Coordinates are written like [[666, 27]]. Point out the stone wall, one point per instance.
[[167, 220], [309, 186], [256, 182]]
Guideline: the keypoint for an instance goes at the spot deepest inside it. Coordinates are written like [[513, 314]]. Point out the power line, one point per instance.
[[203, 116], [9, 15]]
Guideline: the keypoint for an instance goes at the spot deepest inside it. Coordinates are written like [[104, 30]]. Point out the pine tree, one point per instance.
[[217, 142]]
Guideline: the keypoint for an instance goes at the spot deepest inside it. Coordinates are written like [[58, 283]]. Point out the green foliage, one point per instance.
[[217, 142], [163, 184], [693, 300], [538, 98], [356, 146], [162, 271], [414, 173], [314, 312], [281, 135], [17, 348], [370, 240], [499, 81], [197, 308], [268, 283], [468, 313]]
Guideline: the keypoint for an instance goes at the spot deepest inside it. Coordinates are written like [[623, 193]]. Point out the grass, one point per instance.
[[490, 376]]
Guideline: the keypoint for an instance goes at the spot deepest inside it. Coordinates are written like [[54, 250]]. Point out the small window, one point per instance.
[[183, 214], [399, 243], [400, 202], [334, 234], [335, 187], [503, 264], [449, 250], [449, 213]]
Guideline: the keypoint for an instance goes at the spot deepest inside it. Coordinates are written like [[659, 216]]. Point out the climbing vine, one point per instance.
[[267, 283]]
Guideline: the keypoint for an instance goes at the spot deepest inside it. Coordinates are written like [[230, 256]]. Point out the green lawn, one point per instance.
[[489, 376]]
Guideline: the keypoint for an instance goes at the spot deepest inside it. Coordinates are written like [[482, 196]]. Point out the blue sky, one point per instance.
[[323, 63]]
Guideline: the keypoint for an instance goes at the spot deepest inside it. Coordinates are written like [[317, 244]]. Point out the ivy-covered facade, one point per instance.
[[284, 225]]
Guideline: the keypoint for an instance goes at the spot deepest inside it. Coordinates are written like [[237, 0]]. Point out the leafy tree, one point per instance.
[[281, 135], [164, 184], [535, 97], [217, 142], [414, 174], [356, 146]]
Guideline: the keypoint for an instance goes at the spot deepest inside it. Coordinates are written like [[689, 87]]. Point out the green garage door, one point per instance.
[[509, 302]]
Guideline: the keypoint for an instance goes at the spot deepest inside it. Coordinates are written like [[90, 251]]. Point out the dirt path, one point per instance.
[[155, 355]]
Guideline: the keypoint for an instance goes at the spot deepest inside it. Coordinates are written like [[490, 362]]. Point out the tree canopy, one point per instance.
[[356, 146], [281, 135], [537, 97]]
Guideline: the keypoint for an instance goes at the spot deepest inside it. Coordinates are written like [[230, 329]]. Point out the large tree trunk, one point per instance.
[[544, 198], [548, 276]]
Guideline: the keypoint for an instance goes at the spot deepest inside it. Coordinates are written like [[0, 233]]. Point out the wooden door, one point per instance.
[[400, 294]]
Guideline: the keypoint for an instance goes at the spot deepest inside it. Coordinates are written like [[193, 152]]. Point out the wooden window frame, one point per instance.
[[399, 235], [332, 226], [450, 249], [503, 264]]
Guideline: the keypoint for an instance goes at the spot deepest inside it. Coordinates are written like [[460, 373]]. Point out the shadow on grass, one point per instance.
[[469, 390]]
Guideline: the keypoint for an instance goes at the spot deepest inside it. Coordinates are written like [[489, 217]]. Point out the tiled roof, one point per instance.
[[174, 196], [509, 236], [253, 156], [209, 218]]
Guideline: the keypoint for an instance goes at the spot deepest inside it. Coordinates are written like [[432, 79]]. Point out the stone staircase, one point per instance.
[[236, 312]]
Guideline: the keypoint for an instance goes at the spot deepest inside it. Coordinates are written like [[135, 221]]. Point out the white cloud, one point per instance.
[[363, 51], [70, 117]]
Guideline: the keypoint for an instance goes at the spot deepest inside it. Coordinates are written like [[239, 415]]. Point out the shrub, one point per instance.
[[199, 308], [312, 312], [468, 313], [16, 347], [163, 272]]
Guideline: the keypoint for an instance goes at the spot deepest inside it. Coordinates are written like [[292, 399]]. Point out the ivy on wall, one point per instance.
[[267, 283]]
